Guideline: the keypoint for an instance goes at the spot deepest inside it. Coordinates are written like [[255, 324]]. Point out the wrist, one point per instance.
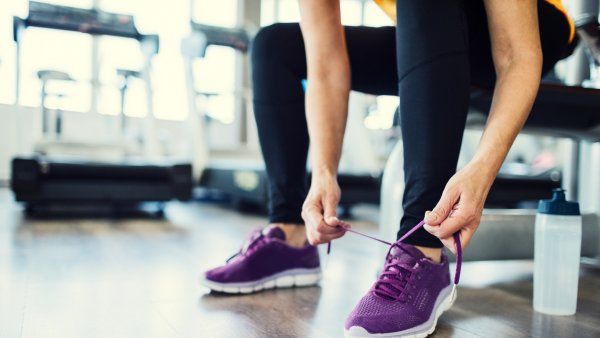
[[324, 172], [485, 169]]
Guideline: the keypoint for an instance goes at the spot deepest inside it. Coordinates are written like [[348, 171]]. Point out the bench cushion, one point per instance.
[[559, 110]]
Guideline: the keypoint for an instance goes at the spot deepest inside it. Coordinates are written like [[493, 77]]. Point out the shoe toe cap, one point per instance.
[[365, 324], [357, 331], [216, 275]]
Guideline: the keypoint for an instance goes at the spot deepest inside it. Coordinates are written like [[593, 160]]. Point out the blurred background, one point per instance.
[[129, 162], [93, 100], [145, 86]]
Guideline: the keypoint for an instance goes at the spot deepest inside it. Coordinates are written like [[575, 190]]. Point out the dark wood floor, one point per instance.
[[138, 278]]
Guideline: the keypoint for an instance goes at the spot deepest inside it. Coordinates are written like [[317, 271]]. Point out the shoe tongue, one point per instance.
[[406, 253], [274, 232]]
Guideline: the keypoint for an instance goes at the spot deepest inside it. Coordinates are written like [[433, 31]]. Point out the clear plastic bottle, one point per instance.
[[557, 255]]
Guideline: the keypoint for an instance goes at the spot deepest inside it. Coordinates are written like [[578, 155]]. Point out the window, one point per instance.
[[75, 60], [351, 12], [118, 53], [224, 14], [168, 83], [268, 9], [38, 42], [288, 11], [215, 73]]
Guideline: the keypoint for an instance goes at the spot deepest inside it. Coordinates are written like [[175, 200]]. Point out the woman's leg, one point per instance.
[[278, 67], [434, 81], [453, 51]]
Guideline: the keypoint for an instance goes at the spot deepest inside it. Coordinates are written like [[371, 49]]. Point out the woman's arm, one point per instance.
[[328, 81], [326, 112], [517, 54], [516, 49]]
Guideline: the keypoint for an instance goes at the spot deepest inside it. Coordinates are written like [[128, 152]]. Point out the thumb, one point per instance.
[[330, 212], [441, 210]]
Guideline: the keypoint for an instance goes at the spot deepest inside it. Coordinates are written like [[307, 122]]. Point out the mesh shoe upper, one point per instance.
[[264, 253], [405, 293]]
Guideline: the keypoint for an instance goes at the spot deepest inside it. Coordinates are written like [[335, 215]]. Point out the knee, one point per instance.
[[270, 35], [445, 32], [266, 45]]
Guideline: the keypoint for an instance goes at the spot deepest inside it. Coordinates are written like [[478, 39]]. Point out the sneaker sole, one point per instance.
[[445, 300], [284, 279]]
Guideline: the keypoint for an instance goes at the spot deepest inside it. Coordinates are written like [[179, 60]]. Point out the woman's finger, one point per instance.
[[315, 237], [452, 224], [330, 209], [332, 221], [326, 228], [466, 233], [450, 244], [312, 215], [442, 209]]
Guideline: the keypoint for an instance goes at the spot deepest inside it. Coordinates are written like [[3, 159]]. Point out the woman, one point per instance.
[[436, 52]]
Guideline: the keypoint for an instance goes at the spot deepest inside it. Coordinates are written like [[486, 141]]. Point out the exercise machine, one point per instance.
[[59, 187], [96, 23], [46, 180]]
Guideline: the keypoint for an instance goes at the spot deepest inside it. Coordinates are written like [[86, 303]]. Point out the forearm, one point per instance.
[[328, 82], [514, 94], [326, 113], [517, 55]]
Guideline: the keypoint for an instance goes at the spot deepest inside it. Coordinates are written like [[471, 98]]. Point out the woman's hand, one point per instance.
[[460, 206], [319, 210]]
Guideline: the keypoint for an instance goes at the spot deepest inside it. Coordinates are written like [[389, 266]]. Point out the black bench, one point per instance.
[[559, 110]]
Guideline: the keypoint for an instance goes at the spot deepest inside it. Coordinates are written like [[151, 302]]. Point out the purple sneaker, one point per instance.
[[406, 300], [265, 261]]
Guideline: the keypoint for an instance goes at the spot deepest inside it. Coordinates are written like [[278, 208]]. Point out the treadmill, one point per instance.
[[47, 183], [243, 180]]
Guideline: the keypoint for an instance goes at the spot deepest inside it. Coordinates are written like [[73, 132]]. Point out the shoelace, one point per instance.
[[400, 286], [393, 280], [254, 238]]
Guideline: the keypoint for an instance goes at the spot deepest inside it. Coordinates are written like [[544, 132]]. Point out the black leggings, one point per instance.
[[438, 50]]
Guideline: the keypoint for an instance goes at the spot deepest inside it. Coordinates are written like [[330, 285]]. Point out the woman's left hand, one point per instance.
[[460, 206]]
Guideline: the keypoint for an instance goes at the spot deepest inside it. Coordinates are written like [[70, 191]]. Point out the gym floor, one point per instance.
[[138, 278]]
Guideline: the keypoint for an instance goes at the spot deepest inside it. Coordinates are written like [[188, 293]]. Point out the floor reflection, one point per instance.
[[272, 313], [139, 278], [28, 229]]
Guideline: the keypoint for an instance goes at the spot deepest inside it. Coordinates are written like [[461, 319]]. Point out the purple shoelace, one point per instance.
[[252, 242], [393, 280], [399, 286]]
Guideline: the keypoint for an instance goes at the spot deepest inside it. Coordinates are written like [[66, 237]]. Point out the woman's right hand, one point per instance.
[[319, 210]]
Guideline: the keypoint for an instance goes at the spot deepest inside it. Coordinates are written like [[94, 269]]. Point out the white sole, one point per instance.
[[285, 279], [445, 304]]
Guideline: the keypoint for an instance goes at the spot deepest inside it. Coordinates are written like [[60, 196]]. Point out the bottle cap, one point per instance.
[[558, 205]]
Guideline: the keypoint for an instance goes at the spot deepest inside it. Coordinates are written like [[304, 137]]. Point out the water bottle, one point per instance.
[[557, 255]]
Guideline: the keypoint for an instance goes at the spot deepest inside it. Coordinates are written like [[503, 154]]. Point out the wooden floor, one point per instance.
[[138, 278]]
